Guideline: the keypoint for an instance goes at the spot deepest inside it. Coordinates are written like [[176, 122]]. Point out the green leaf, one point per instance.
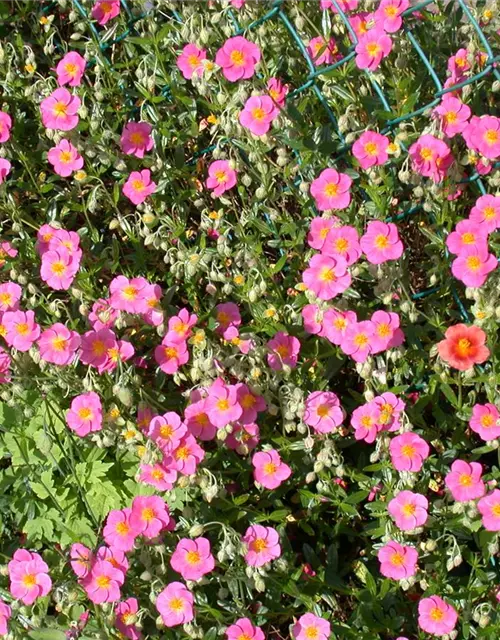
[[47, 634]]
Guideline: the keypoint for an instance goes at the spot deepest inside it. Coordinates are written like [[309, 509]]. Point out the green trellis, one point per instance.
[[277, 12]]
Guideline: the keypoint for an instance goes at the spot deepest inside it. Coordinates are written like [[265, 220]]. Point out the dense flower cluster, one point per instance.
[[244, 391]]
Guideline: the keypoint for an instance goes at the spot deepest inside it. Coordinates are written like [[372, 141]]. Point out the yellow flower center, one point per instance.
[[311, 633], [468, 238], [391, 11], [122, 529], [473, 263], [182, 453], [157, 474], [361, 340], [98, 348], [270, 468], [65, 157], [465, 479], [85, 413], [258, 113], [137, 137], [323, 410], [487, 420], [29, 580], [223, 405], [331, 190], [177, 605], [283, 350], [491, 136], [463, 347], [327, 275], [58, 268], [397, 559], [70, 68], [148, 514], [489, 213], [193, 61], [451, 117], [221, 176], [381, 241], [409, 509], [367, 422], [371, 148], [384, 330], [373, 48], [6, 299], [22, 329], [495, 510], [436, 614], [426, 153], [60, 109], [341, 245], [237, 58], [193, 557], [103, 582], [408, 450], [59, 344], [259, 545], [138, 185]]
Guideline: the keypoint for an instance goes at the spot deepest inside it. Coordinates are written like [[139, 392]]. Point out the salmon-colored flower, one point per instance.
[[463, 347]]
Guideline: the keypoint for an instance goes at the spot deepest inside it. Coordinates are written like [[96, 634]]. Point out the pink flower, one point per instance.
[[153, 315], [387, 333], [221, 177], [335, 324], [222, 405], [408, 510], [458, 65], [321, 51], [192, 558], [244, 629], [464, 481], [65, 158], [381, 242], [149, 515], [6, 612], [126, 618], [70, 69], [323, 411], [310, 626], [237, 58], [95, 346], [21, 329], [5, 126], [486, 137], [139, 186], [197, 421], [157, 476], [258, 114], [59, 268], [453, 114], [167, 431], [6, 251], [103, 583], [85, 415], [313, 318], [10, 294], [388, 14], [58, 344], [171, 355], [489, 508], [269, 470], [128, 295], [5, 362], [227, 316], [370, 149], [29, 579], [397, 561], [467, 235], [436, 616], [361, 23], [342, 242], [473, 265], [364, 422], [59, 110], [104, 10], [326, 276], [278, 91], [187, 456], [431, 157], [408, 452], [357, 340], [372, 48], [243, 438], [81, 559], [190, 62], [136, 139], [344, 5], [331, 190], [485, 421], [283, 350], [175, 604], [262, 545], [318, 232], [120, 530], [117, 558], [486, 213], [5, 168], [251, 403], [69, 240], [390, 409]]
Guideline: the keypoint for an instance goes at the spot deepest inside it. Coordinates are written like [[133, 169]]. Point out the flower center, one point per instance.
[[489, 213], [138, 185], [259, 545], [237, 58], [221, 177], [311, 633], [177, 605], [391, 12], [158, 474], [270, 468], [283, 350], [65, 157], [496, 510], [384, 330], [166, 431], [323, 410], [468, 238], [341, 245], [436, 614], [331, 190], [128, 619], [487, 420], [103, 582], [193, 60], [367, 422], [463, 348], [327, 275], [29, 580], [182, 453], [465, 479], [373, 48], [451, 117], [98, 348], [148, 514], [381, 241], [474, 263], [491, 136], [6, 299], [193, 557], [397, 559], [59, 344], [340, 323], [137, 138], [60, 109], [223, 405], [426, 153], [171, 352], [409, 509], [408, 450], [106, 7], [361, 340], [122, 529], [371, 148], [23, 329], [70, 68], [85, 413], [258, 114], [58, 268]]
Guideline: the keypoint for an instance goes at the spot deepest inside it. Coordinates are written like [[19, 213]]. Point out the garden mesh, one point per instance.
[[277, 11]]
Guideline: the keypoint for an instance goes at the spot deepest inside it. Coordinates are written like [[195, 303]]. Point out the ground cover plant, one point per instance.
[[249, 302]]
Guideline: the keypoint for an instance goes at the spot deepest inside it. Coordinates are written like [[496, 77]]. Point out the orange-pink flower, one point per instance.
[[463, 347]]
